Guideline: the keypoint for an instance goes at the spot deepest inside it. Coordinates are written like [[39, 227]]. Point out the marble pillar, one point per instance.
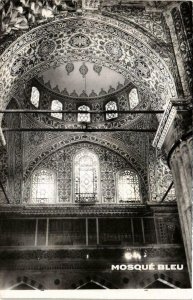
[[180, 162], [174, 137]]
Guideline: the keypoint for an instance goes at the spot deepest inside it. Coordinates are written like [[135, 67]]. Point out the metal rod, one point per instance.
[[4, 192], [166, 193], [43, 111], [80, 129]]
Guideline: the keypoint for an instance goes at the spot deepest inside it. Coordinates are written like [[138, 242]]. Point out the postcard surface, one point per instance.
[[95, 149]]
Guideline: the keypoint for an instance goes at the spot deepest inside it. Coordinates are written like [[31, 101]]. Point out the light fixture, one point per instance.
[[135, 255], [128, 255]]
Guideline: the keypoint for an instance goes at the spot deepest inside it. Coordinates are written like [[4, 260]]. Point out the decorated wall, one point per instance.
[[62, 163]]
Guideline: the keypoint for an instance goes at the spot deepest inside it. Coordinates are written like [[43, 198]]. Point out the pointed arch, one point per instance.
[[84, 117], [111, 105], [133, 98], [92, 284], [43, 187], [128, 187], [86, 177], [35, 96], [56, 105]]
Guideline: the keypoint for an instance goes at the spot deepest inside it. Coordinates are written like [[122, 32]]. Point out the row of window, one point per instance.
[[86, 182], [56, 105]]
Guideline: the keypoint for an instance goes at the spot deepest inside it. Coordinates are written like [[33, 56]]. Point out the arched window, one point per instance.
[[86, 177], [111, 105], [133, 98], [84, 117], [43, 189], [35, 96], [128, 187], [56, 105]]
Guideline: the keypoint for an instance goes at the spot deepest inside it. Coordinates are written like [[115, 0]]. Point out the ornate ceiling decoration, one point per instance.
[[23, 14], [130, 55], [82, 79]]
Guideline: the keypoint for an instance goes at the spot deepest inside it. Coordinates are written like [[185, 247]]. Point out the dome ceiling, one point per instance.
[[92, 38], [82, 79]]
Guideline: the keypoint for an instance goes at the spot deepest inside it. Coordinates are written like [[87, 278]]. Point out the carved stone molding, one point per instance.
[[171, 113], [72, 210]]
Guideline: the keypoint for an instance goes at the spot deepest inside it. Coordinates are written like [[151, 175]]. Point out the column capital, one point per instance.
[[176, 120]]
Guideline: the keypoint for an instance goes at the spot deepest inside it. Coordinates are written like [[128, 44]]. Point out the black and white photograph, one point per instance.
[[95, 148]]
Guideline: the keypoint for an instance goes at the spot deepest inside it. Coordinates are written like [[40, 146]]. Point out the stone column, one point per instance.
[[181, 166], [174, 136]]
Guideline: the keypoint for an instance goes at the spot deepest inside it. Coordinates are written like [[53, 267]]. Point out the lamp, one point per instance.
[[133, 254]]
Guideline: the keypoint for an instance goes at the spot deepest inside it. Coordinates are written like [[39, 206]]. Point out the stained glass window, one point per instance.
[[84, 117], [43, 187], [128, 186], [86, 177], [133, 98], [35, 96], [111, 105], [56, 105]]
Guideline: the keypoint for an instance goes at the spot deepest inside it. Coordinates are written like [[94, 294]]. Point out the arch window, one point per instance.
[[84, 117], [111, 105], [133, 98], [35, 96], [43, 188], [128, 187], [56, 105], [86, 177]]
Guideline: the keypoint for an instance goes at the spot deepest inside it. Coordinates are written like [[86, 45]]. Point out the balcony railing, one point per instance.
[[85, 198]]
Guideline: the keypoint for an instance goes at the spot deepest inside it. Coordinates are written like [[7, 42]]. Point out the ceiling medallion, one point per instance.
[[69, 67], [46, 47], [17, 67], [83, 70], [80, 41], [97, 69], [114, 49], [142, 68]]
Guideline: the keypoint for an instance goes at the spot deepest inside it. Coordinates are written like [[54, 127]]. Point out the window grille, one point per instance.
[[43, 187], [133, 98], [111, 105], [35, 96], [128, 187], [84, 117], [56, 105], [86, 179]]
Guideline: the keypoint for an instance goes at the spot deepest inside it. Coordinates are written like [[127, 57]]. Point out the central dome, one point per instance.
[[82, 79]]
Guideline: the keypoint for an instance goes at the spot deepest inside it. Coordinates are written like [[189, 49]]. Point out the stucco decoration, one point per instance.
[[160, 177], [150, 72], [22, 14], [96, 104], [61, 162], [182, 29], [80, 41]]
